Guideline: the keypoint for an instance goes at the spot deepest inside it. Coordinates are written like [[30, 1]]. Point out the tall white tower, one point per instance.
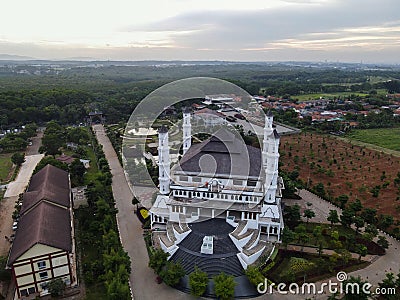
[[270, 156], [187, 130], [163, 160]]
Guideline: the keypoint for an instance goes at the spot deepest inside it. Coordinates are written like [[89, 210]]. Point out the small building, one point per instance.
[[86, 163], [44, 248], [66, 159]]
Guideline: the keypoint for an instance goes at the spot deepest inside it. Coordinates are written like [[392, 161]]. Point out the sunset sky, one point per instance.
[[251, 30]]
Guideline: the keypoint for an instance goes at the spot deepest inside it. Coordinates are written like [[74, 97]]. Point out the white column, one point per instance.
[[187, 130], [163, 160]]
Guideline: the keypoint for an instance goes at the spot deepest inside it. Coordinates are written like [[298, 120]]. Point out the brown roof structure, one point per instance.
[[55, 195], [66, 159], [45, 213], [46, 224], [49, 177]]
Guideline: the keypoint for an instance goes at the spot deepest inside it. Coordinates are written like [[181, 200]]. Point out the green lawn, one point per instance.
[[387, 137], [306, 97], [5, 166]]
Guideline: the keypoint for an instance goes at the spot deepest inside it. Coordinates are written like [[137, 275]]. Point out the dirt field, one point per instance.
[[6, 209], [344, 168]]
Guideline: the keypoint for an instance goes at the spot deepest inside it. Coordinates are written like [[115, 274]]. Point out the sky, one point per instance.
[[246, 30]]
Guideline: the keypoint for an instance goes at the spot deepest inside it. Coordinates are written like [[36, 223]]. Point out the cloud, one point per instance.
[[294, 30], [271, 27]]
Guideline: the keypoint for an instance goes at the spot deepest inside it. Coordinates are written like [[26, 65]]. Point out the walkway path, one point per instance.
[[142, 278], [375, 272]]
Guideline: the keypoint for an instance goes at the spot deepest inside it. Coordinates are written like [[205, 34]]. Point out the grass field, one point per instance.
[[387, 137], [306, 97], [5, 166]]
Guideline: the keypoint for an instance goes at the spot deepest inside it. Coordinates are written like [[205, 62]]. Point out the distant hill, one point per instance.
[[14, 57]]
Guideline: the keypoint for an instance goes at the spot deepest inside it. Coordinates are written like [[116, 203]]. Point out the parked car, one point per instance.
[[15, 226], [231, 119], [240, 116]]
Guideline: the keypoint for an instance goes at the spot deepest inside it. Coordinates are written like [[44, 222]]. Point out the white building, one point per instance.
[[223, 178]]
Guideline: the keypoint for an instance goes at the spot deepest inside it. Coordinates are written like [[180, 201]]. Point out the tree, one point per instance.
[[51, 144], [56, 287], [385, 222], [224, 286], [358, 222], [383, 242], [308, 214], [302, 235], [347, 217], [172, 273], [371, 229], [49, 160], [361, 250], [389, 282], [288, 236], [320, 189], [292, 214], [77, 170], [369, 215], [254, 275], [157, 260], [333, 217], [356, 206], [342, 200], [18, 158], [198, 281], [317, 233]]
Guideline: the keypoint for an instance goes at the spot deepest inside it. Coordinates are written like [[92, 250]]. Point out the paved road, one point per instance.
[[36, 143], [375, 272], [142, 279], [18, 186]]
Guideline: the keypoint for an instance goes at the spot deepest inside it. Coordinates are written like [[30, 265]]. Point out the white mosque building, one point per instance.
[[220, 186]]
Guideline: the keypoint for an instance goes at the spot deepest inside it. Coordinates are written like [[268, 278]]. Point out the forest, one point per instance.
[[41, 94]]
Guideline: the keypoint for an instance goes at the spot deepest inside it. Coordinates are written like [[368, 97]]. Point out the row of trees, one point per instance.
[[108, 261]]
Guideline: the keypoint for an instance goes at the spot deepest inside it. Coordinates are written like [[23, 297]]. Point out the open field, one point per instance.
[[6, 167], [386, 138], [344, 168], [306, 97]]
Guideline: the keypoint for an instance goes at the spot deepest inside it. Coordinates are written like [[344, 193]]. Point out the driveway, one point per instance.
[[142, 278]]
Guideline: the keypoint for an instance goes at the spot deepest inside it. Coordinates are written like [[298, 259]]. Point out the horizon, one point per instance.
[[25, 59], [277, 30]]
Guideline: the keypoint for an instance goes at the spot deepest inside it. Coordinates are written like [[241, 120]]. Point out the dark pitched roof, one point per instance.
[[51, 193], [223, 153], [48, 177], [45, 224], [51, 184], [66, 159]]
